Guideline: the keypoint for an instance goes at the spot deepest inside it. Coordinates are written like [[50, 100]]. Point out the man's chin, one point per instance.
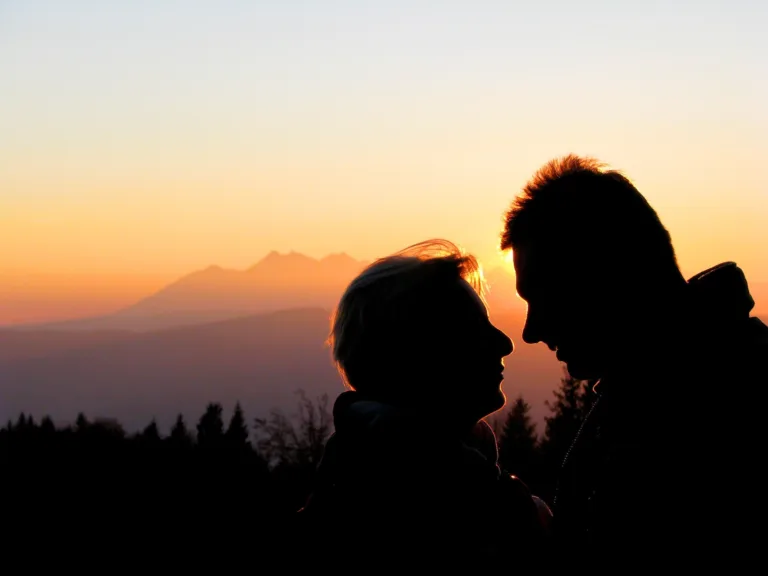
[[579, 371]]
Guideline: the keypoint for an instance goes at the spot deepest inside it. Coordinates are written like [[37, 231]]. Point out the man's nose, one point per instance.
[[531, 332]]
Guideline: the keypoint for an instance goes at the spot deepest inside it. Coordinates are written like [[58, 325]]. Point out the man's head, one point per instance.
[[413, 329], [593, 261]]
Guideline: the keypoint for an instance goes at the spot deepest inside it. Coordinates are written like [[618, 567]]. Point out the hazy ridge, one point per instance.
[[253, 336]]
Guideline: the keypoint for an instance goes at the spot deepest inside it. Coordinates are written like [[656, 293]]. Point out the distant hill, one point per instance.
[[259, 360], [277, 282], [21, 345]]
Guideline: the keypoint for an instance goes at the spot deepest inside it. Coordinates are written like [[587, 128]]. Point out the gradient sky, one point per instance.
[[158, 137]]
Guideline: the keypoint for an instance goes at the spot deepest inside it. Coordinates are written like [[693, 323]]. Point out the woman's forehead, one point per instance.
[[465, 298], [451, 293]]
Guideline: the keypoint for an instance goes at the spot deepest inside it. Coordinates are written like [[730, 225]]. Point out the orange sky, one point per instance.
[[230, 131], [50, 297]]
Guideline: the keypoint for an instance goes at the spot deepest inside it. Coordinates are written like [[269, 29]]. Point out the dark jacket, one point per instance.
[[666, 469], [391, 490]]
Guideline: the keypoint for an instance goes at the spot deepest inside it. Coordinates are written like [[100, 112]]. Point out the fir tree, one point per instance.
[[518, 443]]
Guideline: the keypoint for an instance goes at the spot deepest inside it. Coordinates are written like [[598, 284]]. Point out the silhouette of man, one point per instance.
[[410, 476], [657, 473]]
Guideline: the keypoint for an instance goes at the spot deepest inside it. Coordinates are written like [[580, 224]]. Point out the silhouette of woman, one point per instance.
[[411, 473]]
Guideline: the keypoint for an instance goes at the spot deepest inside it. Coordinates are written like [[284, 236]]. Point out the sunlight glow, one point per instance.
[[165, 156]]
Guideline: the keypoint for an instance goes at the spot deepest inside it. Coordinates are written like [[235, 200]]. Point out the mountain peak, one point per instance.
[[274, 258]]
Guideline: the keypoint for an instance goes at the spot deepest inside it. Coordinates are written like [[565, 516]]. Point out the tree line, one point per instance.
[[219, 484]]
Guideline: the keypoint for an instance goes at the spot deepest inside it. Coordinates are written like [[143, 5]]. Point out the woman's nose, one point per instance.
[[504, 343]]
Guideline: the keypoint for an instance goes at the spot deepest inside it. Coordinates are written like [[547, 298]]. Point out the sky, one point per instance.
[[147, 139]]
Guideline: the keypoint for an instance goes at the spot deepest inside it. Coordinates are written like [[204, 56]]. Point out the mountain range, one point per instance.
[[253, 336], [276, 282]]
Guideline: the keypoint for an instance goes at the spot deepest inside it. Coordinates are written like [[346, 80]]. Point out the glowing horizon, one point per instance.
[[153, 140]]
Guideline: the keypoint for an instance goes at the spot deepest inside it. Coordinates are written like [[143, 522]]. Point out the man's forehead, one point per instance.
[[531, 261], [532, 267]]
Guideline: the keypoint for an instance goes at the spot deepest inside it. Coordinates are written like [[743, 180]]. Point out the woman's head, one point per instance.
[[413, 328]]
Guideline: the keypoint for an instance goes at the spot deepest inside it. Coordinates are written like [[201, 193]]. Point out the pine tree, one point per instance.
[[47, 426], [81, 423], [179, 433], [151, 432], [237, 433], [573, 400], [518, 442], [210, 428]]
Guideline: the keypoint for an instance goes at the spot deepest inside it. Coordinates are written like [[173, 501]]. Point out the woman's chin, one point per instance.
[[496, 401]]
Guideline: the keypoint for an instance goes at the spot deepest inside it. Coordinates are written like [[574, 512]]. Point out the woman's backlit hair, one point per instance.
[[374, 310]]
